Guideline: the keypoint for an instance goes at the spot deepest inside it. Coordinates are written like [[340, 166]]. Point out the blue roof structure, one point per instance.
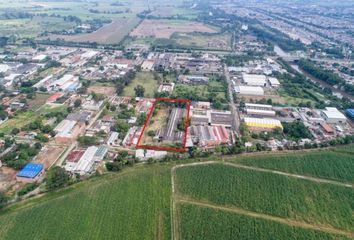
[[31, 170], [350, 113]]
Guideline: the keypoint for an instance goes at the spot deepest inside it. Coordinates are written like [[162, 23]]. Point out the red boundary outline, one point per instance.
[[181, 150]]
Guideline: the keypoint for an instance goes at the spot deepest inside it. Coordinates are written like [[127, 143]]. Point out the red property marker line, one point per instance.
[[184, 149]]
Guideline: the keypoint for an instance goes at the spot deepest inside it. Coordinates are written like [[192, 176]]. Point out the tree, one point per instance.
[[87, 141], [15, 131], [77, 103], [139, 91], [56, 178]]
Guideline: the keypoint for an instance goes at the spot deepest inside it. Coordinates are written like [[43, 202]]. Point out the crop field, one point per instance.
[[17, 121], [165, 28], [111, 33], [203, 41], [145, 79], [130, 205], [330, 165], [268, 193], [32, 27], [204, 223]]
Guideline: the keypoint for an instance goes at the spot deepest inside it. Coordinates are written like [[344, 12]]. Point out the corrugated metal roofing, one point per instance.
[[31, 170], [350, 112]]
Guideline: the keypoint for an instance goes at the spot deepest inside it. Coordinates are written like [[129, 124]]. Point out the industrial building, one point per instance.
[[273, 82], [112, 140], [166, 87], [333, 115], [249, 90], [254, 79], [262, 123], [191, 79], [68, 130], [30, 173], [144, 154], [350, 113], [212, 118], [259, 110], [85, 164], [209, 136]]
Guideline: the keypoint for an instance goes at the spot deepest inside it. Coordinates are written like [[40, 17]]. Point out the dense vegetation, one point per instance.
[[296, 130], [269, 193], [325, 75], [205, 223]]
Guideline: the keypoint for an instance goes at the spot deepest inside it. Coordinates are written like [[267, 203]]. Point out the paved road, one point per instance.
[[233, 106]]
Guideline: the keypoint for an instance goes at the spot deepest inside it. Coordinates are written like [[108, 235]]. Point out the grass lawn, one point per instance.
[[17, 121], [45, 109], [146, 79], [38, 101]]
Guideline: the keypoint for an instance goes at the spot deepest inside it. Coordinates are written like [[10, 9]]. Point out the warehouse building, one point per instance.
[[209, 136], [254, 79], [258, 106], [333, 115], [191, 79], [212, 118], [254, 112], [68, 130], [30, 173], [249, 90], [85, 164], [273, 82], [262, 123]]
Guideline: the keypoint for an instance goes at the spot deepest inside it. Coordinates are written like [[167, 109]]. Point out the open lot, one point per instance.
[[145, 79], [108, 91], [111, 33], [203, 41], [165, 28], [49, 155], [17, 121]]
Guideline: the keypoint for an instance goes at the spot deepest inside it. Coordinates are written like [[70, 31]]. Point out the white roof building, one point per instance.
[[248, 90], [146, 154], [4, 67], [333, 115], [273, 82], [256, 112], [39, 57], [86, 162], [254, 79]]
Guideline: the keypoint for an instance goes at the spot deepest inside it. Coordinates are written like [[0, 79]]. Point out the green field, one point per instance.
[[32, 27], [145, 79], [330, 165], [203, 41], [269, 194], [131, 205], [201, 92], [212, 201], [205, 223], [17, 121]]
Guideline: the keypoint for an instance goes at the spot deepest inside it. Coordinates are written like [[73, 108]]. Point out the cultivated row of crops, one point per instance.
[[205, 223], [269, 193], [326, 164], [126, 207]]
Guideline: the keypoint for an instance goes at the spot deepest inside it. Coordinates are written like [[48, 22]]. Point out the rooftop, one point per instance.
[[31, 170]]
